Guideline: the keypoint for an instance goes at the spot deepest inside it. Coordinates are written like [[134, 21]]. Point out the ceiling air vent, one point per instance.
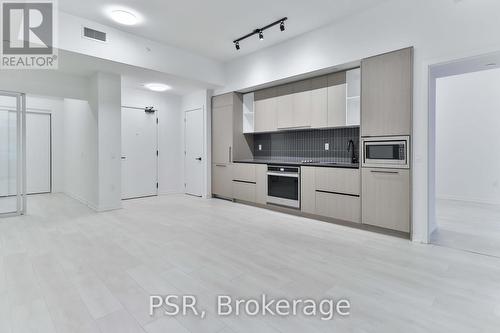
[[94, 34]]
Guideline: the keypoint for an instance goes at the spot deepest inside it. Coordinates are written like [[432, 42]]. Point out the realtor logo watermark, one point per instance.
[[28, 34]]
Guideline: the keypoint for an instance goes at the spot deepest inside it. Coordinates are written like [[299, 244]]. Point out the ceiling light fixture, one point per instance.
[[159, 87], [124, 16], [260, 31]]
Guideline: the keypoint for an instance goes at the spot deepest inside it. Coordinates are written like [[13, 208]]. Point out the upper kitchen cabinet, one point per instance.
[[337, 90], [319, 102], [265, 110], [386, 94], [294, 105]]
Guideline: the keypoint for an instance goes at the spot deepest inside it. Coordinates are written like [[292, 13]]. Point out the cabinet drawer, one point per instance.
[[222, 180], [337, 206], [338, 180], [244, 191], [244, 172]]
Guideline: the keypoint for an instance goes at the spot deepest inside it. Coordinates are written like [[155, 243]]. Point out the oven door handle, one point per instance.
[[290, 175]]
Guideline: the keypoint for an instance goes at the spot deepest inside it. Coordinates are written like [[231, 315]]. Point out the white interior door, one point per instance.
[[193, 160], [38, 153], [139, 153]]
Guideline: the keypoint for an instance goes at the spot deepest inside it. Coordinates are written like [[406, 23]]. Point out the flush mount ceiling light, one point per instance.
[[260, 32], [160, 87], [124, 16]]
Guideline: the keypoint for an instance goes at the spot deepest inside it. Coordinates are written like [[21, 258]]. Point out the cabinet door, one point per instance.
[[222, 180], [386, 94], [265, 110], [222, 134], [308, 190], [386, 198], [261, 186], [302, 104], [285, 107], [337, 105], [319, 102]]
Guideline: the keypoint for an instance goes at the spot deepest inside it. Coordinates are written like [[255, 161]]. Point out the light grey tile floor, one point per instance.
[[66, 269], [468, 226]]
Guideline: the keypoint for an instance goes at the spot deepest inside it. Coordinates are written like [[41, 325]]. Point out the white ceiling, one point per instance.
[[132, 77], [209, 27]]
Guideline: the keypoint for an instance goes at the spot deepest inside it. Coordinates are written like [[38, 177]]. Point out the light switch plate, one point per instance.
[[327, 146]]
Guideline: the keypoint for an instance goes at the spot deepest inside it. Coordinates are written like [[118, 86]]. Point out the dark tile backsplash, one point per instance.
[[307, 144]]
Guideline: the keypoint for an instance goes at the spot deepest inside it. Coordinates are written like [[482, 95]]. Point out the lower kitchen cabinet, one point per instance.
[[222, 180], [386, 198], [244, 191], [331, 192], [250, 182], [338, 206]]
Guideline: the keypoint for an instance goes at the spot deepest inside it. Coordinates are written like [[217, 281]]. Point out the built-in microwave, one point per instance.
[[386, 152]]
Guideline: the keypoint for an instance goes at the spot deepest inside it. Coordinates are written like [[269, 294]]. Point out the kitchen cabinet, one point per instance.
[[386, 94], [228, 141], [261, 184], [222, 134], [386, 198], [250, 182], [337, 93], [265, 110], [338, 180], [331, 192], [284, 108], [308, 189], [222, 180], [338, 206], [319, 102], [301, 104], [244, 191]]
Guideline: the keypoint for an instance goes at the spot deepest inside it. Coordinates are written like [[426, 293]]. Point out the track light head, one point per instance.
[[282, 25], [237, 45], [261, 35]]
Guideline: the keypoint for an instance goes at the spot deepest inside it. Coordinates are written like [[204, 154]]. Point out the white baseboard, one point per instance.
[[84, 201]]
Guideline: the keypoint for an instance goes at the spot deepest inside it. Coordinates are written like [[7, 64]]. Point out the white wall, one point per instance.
[[170, 135], [202, 100], [80, 152], [106, 102], [468, 148], [133, 50], [440, 31]]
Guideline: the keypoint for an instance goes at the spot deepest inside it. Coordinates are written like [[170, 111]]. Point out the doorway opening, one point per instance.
[[139, 152], [464, 170], [13, 154]]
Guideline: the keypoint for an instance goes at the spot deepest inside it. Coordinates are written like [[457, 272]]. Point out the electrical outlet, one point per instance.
[[260, 147], [327, 146]]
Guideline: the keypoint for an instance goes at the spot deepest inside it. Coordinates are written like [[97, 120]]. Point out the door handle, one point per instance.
[[124, 157], [198, 158], [386, 172]]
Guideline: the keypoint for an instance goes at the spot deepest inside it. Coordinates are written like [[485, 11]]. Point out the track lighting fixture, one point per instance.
[[260, 32]]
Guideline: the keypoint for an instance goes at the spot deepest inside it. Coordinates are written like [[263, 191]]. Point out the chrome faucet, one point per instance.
[[354, 159]]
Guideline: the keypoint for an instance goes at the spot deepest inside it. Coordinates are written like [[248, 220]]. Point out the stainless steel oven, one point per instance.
[[283, 185], [386, 152]]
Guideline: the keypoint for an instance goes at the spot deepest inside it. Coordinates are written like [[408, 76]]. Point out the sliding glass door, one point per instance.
[[12, 153]]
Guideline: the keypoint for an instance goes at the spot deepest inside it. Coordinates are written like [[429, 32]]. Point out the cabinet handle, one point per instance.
[[294, 127], [230, 155], [220, 165], [386, 172]]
